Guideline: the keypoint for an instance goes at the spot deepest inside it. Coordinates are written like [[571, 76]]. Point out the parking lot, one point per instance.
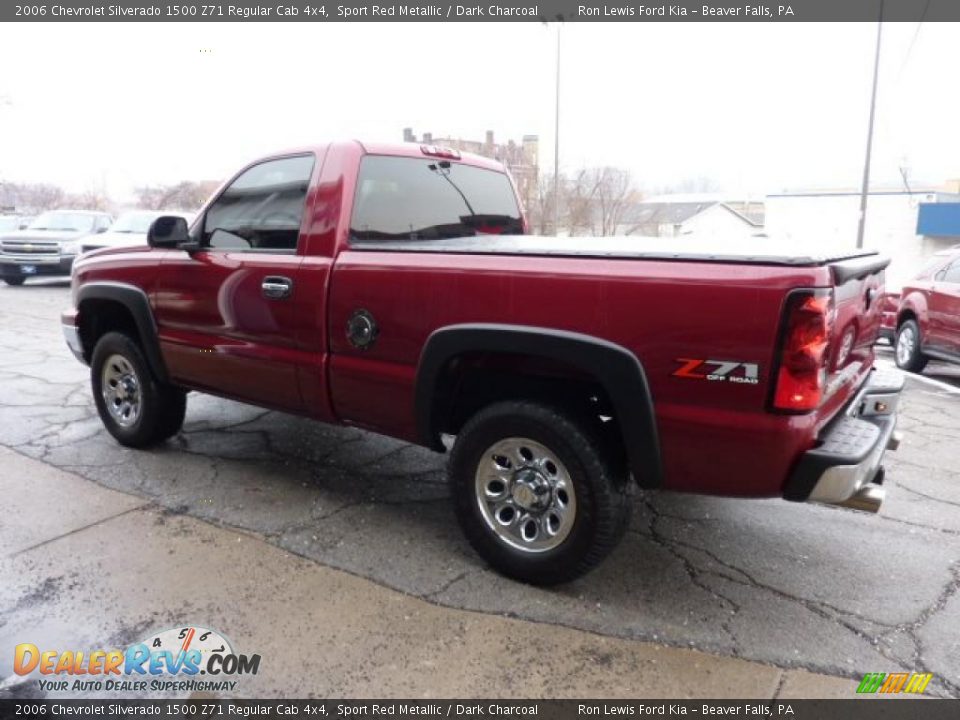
[[791, 586]]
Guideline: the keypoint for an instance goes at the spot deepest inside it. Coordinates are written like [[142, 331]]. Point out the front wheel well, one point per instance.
[[904, 316], [98, 317]]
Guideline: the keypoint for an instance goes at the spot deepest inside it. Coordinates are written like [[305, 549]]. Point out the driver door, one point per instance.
[[229, 315]]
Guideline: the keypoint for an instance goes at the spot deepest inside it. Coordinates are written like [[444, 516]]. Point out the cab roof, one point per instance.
[[397, 149]]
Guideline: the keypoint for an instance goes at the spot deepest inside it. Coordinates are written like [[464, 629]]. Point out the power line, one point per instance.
[[913, 40]]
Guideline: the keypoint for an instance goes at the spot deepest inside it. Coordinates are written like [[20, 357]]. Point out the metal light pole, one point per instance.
[[866, 163], [5, 101], [556, 144]]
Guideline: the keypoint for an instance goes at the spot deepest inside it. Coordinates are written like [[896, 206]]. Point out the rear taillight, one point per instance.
[[802, 369]]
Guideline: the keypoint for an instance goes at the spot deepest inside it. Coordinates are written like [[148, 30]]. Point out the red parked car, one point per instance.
[[923, 322], [391, 287]]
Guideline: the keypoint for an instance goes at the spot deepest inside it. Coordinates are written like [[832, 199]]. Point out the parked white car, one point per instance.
[[129, 230]]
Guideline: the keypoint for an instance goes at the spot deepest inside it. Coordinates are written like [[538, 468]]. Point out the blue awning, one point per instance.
[[939, 220]]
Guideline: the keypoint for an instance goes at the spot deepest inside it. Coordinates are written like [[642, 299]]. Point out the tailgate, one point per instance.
[[858, 291]]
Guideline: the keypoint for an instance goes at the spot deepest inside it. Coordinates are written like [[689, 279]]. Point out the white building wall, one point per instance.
[[812, 224]]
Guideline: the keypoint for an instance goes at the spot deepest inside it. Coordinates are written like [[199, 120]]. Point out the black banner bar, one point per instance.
[[501, 11], [874, 708]]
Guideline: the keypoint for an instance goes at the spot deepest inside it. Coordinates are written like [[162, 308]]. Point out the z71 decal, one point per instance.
[[718, 371]]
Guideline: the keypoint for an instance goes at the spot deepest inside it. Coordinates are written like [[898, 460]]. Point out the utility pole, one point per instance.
[[866, 163], [556, 142], [5, 101]]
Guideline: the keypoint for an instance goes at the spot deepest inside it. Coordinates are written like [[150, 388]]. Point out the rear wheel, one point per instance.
[[14, 280], [537, 494], [134, 406], [907, 348]]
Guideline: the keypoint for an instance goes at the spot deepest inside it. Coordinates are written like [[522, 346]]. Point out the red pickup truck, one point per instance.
[[391, 287]]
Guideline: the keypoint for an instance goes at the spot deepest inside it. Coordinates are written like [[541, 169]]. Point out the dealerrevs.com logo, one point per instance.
[[895, 683], [179, 659]]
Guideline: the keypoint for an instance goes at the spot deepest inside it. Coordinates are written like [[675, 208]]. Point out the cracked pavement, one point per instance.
[[788, 585]]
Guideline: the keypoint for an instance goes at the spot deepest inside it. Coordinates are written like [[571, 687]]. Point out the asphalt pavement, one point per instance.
[[787, 586]]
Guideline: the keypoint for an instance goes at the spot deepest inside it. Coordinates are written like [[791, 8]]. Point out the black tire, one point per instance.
[[160, 407], [14, 280], [174, 412], [602, 491], [906, 349]]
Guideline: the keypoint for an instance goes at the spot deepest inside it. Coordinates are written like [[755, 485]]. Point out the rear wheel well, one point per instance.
[[98, 317], [472, 381]]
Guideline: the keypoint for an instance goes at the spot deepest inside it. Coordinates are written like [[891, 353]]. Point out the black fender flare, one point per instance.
[[135, 300], [617, 369]]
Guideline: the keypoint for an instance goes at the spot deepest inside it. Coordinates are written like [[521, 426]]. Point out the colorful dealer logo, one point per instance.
[[895, 683], [179, 653]]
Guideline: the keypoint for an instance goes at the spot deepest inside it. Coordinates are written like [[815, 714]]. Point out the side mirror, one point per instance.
[[101, 230], [24, 226], [168, 231]]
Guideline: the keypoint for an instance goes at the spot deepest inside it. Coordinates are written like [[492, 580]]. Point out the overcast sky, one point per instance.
[[755, 107]]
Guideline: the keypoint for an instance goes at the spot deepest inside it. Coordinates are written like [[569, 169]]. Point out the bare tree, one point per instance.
[[577, 197], [185, 195], [596, 200], [155, 197], [613, 191], [34, 197], [539, 206], [93, 198]]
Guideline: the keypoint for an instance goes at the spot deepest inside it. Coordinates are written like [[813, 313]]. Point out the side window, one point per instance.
[[261, 210], [952, 274]]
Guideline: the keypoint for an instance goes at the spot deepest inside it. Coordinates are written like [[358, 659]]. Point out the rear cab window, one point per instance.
[[401, 198]]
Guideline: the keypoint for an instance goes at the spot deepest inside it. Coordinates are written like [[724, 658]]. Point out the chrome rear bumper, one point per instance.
[[846, 466]]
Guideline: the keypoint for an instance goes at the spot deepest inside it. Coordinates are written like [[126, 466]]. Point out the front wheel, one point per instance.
[[14, 280], [134, 406], [537, 494], [907, 348]]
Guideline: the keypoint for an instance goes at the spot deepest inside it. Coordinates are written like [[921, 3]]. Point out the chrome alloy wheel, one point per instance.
[[906, 343], [525, 495], [120, 388]]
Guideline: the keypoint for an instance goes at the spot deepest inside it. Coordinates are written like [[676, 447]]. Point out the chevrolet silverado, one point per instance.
[[393, 288]]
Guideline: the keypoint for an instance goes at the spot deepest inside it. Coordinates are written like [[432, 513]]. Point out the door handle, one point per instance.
[[277, 287]]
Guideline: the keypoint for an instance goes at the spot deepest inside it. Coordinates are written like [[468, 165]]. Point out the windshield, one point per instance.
[[78, 222], [933, 266], [135, 222], [411, 199]]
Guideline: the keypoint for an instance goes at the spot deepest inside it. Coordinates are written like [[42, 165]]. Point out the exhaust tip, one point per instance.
[[896, 437], [868, 498]]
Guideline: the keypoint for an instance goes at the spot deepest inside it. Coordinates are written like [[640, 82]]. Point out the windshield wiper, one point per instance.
[[443, 170]]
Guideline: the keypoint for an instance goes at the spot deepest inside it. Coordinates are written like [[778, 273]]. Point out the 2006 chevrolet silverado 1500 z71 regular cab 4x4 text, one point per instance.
[[391, 287]]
